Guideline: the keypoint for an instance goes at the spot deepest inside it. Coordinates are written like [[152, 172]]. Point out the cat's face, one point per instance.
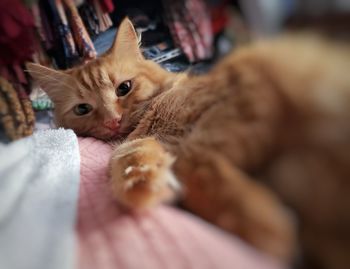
[[93, 99]]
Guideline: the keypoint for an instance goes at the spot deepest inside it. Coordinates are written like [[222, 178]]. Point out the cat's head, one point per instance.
[[93, 98]]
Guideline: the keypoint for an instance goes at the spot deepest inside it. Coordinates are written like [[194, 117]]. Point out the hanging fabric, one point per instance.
[[107, 5], [16, 114], [81, 37], [59, 46], [66, 33], [90, 19], [190, 26], [105, 21]]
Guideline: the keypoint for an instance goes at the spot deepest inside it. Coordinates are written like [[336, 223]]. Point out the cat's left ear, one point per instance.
[[126, 43], [49, 80]]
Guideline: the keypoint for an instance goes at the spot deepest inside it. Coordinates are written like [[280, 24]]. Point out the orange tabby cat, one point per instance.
[[267, 129]]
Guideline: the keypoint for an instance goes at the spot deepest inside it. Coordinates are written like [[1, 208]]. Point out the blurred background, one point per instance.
[[180, 35]]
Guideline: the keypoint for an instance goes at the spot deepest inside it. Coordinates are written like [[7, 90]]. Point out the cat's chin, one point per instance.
[[115, 136], [106, 136]]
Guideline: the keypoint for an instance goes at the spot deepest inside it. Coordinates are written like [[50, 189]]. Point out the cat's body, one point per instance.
[[288, 128], [267, 129]]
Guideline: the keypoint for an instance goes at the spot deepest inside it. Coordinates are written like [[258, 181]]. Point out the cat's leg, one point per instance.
[[141, 175], [226, 196]]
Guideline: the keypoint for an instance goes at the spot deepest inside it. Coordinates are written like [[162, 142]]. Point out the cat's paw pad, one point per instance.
[[142, 178]]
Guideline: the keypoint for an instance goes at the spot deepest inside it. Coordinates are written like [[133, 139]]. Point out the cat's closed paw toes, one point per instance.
[[141, 175]]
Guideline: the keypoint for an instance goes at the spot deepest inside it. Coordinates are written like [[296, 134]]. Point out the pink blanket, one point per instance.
[[164, 237]]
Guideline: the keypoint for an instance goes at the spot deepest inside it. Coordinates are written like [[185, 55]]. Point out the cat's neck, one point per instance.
[[165, 79]]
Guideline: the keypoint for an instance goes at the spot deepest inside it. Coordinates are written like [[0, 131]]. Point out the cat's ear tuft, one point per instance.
[[126, 42], [47, 78]]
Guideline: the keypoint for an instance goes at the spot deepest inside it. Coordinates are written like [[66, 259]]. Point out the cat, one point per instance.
[[260, 144]]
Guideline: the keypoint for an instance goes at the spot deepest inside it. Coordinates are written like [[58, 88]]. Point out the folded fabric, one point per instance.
[[39, 177], [162, 238]]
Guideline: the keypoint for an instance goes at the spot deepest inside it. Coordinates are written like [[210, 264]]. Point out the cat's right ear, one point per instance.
[[47, 78], [126, 43]]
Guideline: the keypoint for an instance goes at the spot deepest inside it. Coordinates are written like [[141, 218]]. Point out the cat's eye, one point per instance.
[[123, 88], [82, 109]]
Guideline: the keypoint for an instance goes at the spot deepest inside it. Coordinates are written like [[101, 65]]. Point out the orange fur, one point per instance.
[[267, 129]]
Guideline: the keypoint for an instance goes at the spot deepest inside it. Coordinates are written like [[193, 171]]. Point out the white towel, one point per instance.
[[39, 181]]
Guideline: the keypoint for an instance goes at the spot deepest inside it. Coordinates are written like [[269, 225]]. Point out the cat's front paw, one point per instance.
[[141, 174]]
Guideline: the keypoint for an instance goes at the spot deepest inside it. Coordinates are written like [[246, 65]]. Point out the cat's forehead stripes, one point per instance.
[[93, 77]]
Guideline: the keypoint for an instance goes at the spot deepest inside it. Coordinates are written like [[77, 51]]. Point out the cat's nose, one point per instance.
[[112, 124]]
